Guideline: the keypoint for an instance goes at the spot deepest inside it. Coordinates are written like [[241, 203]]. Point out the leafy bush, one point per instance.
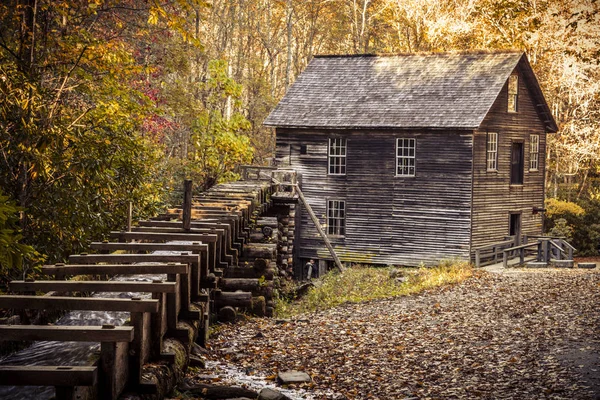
[[578, 222], [13, 254]]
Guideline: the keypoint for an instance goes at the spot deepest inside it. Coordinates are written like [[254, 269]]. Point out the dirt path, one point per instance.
[[522, 335]]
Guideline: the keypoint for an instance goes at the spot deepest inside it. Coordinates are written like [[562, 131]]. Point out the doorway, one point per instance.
[[514, 227]]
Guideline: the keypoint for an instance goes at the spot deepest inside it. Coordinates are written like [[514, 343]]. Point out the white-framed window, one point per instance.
[[337, 156], [336, 217], [405, 156], [492, 151], [534, 152], [513, 93]]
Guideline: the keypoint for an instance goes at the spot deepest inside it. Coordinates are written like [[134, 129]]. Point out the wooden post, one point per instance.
[[129, 216], [187, 205], [477, 258]]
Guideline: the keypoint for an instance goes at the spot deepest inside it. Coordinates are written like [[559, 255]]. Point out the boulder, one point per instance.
[[271, 394], [288, 377]]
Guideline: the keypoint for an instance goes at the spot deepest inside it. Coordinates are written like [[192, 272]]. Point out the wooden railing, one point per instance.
[[548, 248], [491, 254]]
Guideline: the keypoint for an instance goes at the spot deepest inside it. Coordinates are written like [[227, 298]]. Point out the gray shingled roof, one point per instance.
[[404, 91]]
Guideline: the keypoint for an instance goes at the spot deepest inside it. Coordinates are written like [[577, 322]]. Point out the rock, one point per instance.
[[220, 392], [271, 394], [258, 306], [198, 350], [396, 273], [197, 362], [259, 335], [401, 279], [292, 377], [227, 314], [303, 289]]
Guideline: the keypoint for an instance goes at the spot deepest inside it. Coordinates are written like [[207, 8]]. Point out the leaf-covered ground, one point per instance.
[[528, 334]]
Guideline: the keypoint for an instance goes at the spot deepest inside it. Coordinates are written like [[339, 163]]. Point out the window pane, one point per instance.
[[405, 156]]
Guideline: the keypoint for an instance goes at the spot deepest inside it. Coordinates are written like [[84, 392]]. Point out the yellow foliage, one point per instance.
[[555, 207]]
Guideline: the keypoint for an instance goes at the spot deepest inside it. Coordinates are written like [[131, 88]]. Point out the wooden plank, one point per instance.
[[66, 333], [115, 269], [133, 258], [77, 303], [48, 375], [92, 286], [164, 236], [113, 246]]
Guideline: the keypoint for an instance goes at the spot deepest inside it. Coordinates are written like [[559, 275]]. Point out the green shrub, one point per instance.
[[14, 255]]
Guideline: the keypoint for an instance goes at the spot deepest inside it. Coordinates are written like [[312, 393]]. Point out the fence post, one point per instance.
[[187, 205]]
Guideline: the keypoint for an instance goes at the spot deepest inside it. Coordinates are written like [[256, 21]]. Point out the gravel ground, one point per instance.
[[527, 334]]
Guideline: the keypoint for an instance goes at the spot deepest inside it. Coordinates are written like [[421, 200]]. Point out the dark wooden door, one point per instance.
[[514, 227], [516, 164]]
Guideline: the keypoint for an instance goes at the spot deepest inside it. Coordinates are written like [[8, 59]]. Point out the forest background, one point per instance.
[[106, 102]]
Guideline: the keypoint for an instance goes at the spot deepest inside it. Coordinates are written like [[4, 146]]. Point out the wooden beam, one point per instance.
[[92, 286], [77, 303], [48, 376], [113, 246], [162, 236], [315, 221], [132, 258], [115, 269], [66, 333]]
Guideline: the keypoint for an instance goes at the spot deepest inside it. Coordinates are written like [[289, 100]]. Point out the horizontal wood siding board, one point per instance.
[[389, 219], [493, 196]]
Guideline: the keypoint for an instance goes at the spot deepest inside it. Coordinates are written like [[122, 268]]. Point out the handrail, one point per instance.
[[568, 245], [492, 246], [523, 246]]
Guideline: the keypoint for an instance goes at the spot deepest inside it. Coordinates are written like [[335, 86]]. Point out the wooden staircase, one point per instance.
[[535, 252]]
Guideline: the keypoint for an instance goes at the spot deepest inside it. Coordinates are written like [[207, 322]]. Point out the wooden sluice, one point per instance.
[[208, 264]]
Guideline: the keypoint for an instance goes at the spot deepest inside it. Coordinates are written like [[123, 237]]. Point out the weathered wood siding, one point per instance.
[[389, 219], [494, 198]]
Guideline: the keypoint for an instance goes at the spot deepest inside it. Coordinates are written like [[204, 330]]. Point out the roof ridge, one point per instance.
[[422, 53]]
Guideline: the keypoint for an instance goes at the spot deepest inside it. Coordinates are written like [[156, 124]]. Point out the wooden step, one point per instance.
[[562, 263], [92, 286], [66, 333]]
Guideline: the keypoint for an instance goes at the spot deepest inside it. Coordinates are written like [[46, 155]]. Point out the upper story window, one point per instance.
[[516, 164], [336, 217], [337, 156], [513, 93], [492, 151], [405, 157], [534, 152]]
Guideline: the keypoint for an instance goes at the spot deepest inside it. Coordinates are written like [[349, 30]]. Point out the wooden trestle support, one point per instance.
[[211, 269]]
